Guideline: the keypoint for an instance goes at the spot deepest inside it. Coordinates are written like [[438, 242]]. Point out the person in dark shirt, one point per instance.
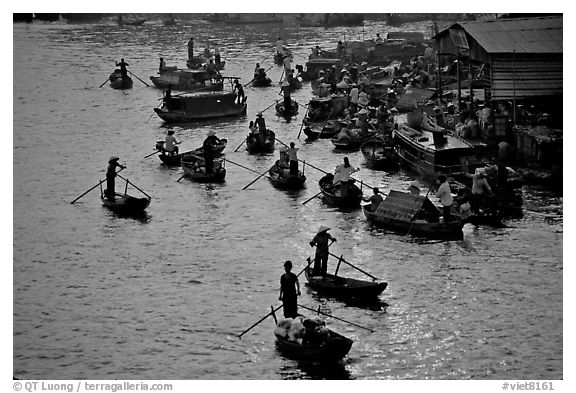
[[123, 70], [111, 177], [208, 150], [289, 291], [240, 95]]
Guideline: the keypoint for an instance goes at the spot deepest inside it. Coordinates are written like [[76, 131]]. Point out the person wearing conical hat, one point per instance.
[[261, 123], [110, 191], [208, 147], [322, 250]]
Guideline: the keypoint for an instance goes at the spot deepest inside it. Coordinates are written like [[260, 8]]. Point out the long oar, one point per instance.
[[302, 125], [245, 139], [323, 171], [100, 182], [263, 318], [253, 79], [309, 199], [242, 166], [268, 107], [340, 319], [134, 185], [255, 180], [135, 76], [351, 265], [151, 154], [104, 82]]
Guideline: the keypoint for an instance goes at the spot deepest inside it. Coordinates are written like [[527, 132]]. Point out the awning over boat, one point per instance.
[[404, 206]]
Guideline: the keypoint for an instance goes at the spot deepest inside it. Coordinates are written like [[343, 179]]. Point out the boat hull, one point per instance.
[[194, 169], [285, 181], [333, 349], [187, 108], [255, 146], [432, 230], [126, 204], [347, 288], [333, 198], [379, 155]]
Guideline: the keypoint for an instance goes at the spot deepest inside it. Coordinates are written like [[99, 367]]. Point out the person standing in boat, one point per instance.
[[211, 70], [168, 98], [240, 92], [110, 192], [208, 150], [279, 47], [191, 49], [445, 196], [162, 65], [261, 123], [123, 71], [342, 175], [287, 100], [322, 250], [170, 143], [289, 291], [481, 191], [293, 159], [217, 59]]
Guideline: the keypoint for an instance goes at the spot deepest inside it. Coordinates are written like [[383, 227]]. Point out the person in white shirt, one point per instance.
[[293, 159], [170, 143], [445, 196], [342, 176], [279, 46], [480, 191]]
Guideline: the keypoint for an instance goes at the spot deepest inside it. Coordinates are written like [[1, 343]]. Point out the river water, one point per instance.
[[97, 296]]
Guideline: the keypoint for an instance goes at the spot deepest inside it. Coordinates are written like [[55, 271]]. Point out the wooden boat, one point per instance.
[[279, 58], [194, 168], [188, 80], [126, 204], [174, 159], [295, 84], [117, 82], [332, 347], [336, 286], [431, 153], [280, 177], [323, 108], [328, 131], [413, 214], [281, 110], [353, 143], [379, 154], [332, 196], [256, 145], [261, 80], [198, 106]]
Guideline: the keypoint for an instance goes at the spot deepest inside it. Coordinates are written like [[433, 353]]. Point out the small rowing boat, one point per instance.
[[352, 140], [194, 168], [117, 82], [333, 193], [280, 177], [281, 109], [125, 204], [174, 159], [336, 286], [379, 154], [254, 144], [318, 343]]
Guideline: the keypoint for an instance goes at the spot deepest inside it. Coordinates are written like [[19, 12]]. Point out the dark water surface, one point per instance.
[[98, 296]]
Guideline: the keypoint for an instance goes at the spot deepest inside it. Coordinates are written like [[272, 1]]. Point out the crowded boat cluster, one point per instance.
[[398, 101]]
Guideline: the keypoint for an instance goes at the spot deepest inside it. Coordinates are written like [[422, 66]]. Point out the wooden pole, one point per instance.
[[341, 259], [135, 186], [99, 183], [136, 76], [263, 318], [339, 319]]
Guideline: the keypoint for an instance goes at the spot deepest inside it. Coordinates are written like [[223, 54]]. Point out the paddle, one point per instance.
[[254, 181], [135, 76], [134, 185], [355, 267], [181, 177], [104, 82], [302, 125], [240, 144], [263, 318], [151, 154], [242, 166], [340, 319], [308, 200], [100, 182]]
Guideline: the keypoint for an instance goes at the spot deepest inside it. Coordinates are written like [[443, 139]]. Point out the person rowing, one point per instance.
[[321, 240]]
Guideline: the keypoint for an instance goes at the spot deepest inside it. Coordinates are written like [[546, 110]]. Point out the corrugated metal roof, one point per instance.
[[523, 35]]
